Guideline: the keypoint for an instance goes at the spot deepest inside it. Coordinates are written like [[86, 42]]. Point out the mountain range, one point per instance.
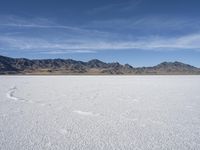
[[25, 66]]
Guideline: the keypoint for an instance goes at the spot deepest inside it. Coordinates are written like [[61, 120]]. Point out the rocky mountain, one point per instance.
[[68, 66], [169, 68]]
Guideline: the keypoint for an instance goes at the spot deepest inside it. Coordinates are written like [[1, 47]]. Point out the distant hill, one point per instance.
[[94, 67]]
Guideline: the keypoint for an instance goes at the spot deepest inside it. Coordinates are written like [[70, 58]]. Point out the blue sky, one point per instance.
[[138, 32]]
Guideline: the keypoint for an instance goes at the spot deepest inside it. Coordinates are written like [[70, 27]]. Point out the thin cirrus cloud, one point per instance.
[[148, 43], [15, 22], [15, 25], [148, 24], [67, 51], [90, 38]]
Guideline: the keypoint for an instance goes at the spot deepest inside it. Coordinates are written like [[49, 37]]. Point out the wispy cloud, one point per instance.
[[11, 21], [90, 39], [148, 24], [190, 42], [67, 52]]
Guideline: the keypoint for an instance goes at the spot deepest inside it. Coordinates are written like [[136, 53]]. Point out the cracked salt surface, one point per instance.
[[99, 112]]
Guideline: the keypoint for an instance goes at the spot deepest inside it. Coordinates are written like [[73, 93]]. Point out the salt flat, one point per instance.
[[99, 112]]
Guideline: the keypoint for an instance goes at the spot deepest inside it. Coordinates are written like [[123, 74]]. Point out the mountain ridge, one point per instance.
[[58, 66]]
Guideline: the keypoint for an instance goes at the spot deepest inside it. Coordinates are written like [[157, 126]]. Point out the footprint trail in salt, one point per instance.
[[10, 94], [84, 113]]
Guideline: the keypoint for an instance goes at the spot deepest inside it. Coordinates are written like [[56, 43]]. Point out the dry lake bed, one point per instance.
[[99, 112]]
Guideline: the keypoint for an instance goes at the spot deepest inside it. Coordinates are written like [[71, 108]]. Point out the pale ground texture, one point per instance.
[[100, 112]]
